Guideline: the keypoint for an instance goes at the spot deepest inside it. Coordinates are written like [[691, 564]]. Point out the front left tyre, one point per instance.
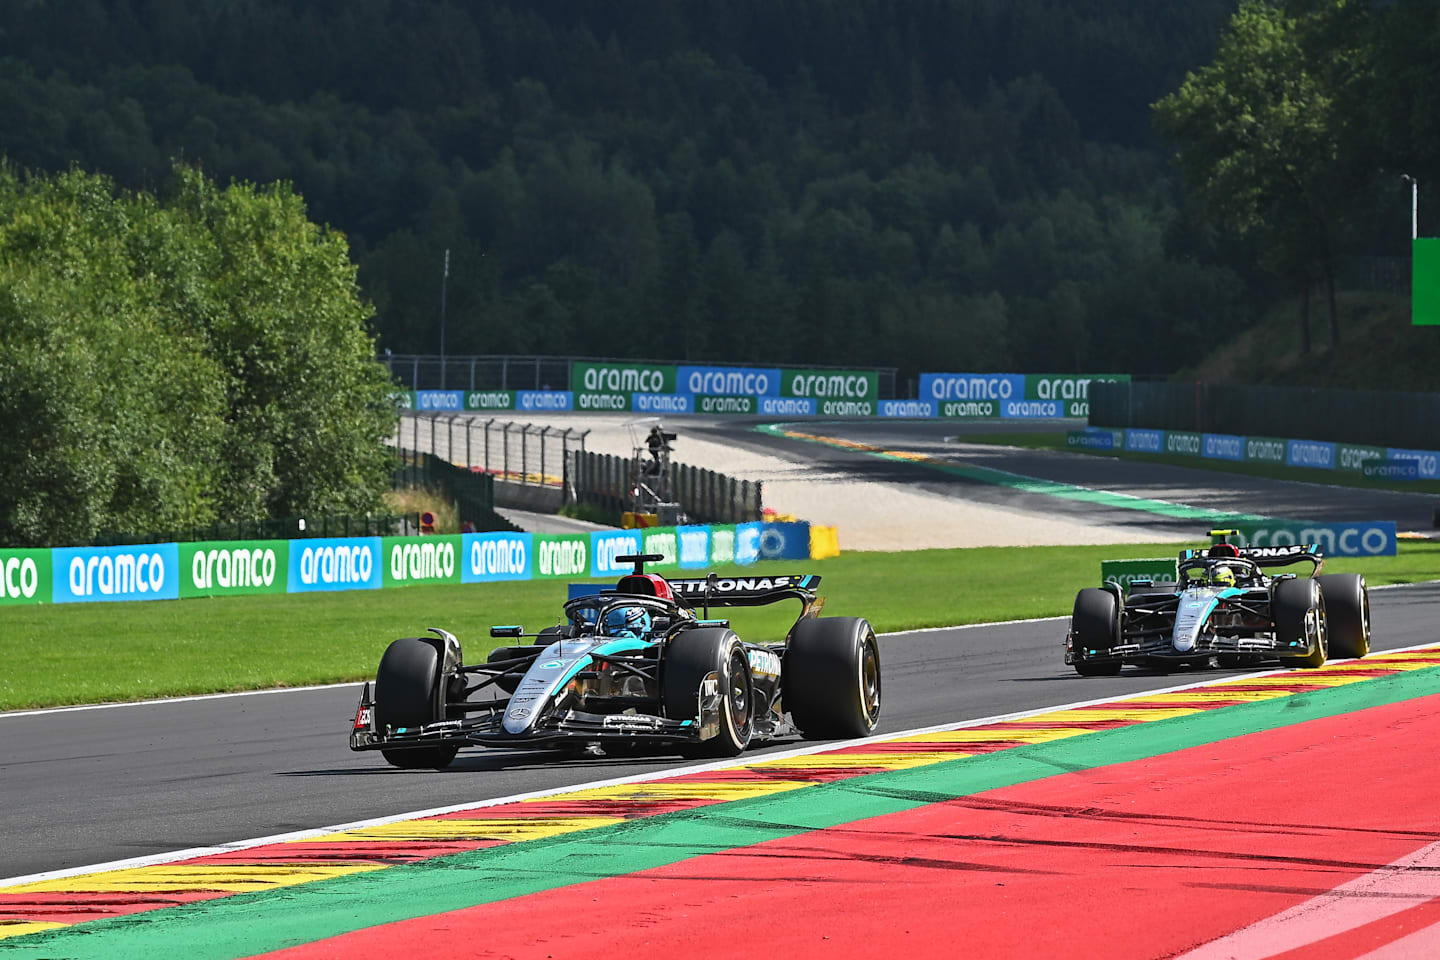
[[408, 694]]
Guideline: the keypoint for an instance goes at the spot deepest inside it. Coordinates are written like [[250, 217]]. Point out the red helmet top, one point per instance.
[[647, 584], [1224, 550]]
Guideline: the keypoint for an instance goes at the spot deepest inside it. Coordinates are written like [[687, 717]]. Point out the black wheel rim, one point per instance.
[[870, 682], [738, 695]]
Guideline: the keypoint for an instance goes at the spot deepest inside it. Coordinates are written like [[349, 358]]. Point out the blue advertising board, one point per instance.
[[86, 574], [544, 400], [995, 387], [1145, 441], [662, 402], [606, 545], [1225, 446], [907, 408], [352, 563], [694, 546], [1310, 453], [747, 542], [784, 541], [489, 557], [728, 381], [440, 400], [1355, 539], [788, 406], [1427, 462]]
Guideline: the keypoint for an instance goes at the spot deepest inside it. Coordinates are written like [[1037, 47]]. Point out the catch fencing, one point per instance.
[[607, 482], [472, 493], [1378, 417], [520, 453]]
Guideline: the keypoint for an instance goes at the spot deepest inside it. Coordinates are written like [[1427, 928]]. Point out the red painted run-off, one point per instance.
[[1138, 860]]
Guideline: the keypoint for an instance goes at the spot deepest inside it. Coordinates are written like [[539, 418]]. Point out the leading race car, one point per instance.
[[635, 666], [1224, 608]]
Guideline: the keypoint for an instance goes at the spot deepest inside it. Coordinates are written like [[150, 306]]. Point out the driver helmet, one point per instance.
[[633, 622], [1222, 576]]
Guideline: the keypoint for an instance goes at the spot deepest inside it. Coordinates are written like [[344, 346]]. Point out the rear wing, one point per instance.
[[745, 591], [1270, 556]]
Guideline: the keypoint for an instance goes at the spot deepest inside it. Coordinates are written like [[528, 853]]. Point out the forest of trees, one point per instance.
[[957, 184]]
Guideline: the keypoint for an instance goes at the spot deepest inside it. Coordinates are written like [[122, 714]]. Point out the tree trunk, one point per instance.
[[1330, 291], [1305, 316]]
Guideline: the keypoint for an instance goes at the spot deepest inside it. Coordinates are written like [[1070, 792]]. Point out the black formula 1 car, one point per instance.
[[1224, 608], [634, 666]]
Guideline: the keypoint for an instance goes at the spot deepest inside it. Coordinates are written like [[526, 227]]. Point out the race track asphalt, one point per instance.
[[89, 786], [96, 785], [1207, 489]]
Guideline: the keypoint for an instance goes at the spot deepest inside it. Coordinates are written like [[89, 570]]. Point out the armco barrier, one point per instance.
[[168, 571]]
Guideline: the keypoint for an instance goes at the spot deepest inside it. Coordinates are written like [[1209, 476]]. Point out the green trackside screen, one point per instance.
[[1425, 282]]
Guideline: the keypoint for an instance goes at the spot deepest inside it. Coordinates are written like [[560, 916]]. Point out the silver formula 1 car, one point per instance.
[[636, 665], [1225, 609]]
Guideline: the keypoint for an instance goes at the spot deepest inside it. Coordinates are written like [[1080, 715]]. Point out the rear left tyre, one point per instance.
[[408, 694]]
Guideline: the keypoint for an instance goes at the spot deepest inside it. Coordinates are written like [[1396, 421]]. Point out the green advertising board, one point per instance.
[[722, 543], [24, 576], [706, 403], [602, 401], [1123, 572], [1425, 281], [412, 560], [489, 399], [1265, 449], [1071, 389], [233, 567], [831, 384], [665, 542], [622, 378], [562, 555], [403, 399], [1352, 456]]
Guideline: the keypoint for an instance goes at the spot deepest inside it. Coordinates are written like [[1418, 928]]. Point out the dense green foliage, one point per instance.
[[169, 364], [961, 184], [1303, 130]]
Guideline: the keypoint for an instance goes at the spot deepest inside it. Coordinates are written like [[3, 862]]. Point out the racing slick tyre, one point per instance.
[[407, 694], [689, 656], [1298, 608], [832, 678], [1347, 613], [1095, 625]]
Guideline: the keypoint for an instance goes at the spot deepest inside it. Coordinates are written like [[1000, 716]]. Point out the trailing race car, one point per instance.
[[1226, 608], [635, 665]]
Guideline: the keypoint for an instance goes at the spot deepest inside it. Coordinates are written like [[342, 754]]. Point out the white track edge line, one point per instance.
[[668, 772]]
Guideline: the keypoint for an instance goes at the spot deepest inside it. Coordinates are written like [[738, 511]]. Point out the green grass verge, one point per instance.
[[1337, 478], [88, 653]]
